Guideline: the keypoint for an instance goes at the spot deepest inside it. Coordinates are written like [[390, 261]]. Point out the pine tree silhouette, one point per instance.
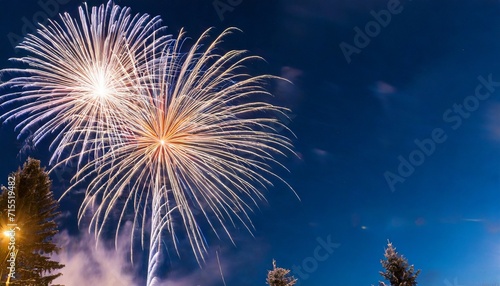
[[35, 211], [397, 270], [279, 277]]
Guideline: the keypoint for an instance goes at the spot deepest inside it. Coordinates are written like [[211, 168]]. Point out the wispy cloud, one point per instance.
[[88, 264]]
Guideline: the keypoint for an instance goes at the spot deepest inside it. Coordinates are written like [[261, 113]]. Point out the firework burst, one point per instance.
[[197, 143], [78, 77], [157, 130]]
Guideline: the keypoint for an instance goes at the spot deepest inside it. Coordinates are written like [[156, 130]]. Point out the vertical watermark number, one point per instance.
[[11, 227]]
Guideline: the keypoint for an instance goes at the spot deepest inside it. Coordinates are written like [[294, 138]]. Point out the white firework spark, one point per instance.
[[79, 76]]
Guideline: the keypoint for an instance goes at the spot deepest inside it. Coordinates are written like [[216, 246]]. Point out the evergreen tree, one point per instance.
[[397, 270], [31, 225], [279, 277]]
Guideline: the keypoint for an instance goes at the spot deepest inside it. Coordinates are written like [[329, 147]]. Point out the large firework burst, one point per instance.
[[78, 77], [198, 143], [197, 138], [164, 132]]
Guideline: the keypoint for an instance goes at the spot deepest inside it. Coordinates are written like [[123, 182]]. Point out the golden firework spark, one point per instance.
[[197, 143]]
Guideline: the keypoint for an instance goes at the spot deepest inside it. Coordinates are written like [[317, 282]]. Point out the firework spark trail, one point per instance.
[[199, 143], [154, 242], [79, 76]]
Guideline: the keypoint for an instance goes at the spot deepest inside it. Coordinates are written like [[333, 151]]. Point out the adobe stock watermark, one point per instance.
[[11, 228], [224, 6], [48, 9], [310, 264], [372, 29], [453, 116], [455, 283]]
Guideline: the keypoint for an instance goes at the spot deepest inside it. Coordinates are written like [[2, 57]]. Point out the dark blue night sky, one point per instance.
[[360, 175]]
